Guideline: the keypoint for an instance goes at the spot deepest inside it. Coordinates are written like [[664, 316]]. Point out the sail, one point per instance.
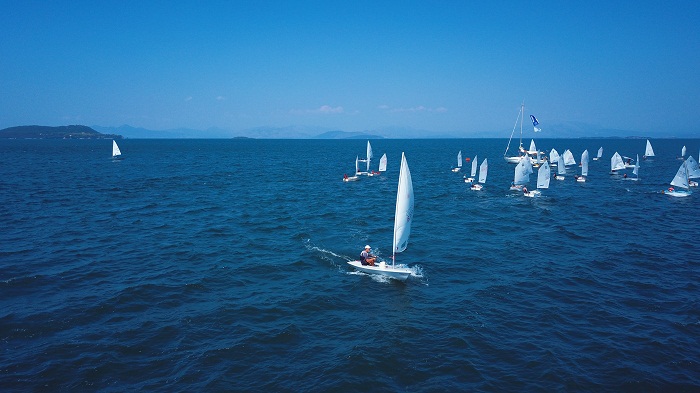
[[459, 159], [357, 164], [474, 164], [569, 158], [600, 152], [636, 167], [369, 154], [584, 163], [683, 151], [554, 155], [382, 163], [693, 168], [533, 148], [649, 152], [561, 168], [616, 162], [521, 175], [681, 178], [404, 208], [543, 176], [535, 123], [115, 149], [483, 170]]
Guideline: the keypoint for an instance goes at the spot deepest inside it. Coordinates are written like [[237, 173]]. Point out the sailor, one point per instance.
[[366, 257]]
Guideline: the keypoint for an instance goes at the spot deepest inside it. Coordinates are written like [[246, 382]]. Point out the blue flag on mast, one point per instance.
[[535, 123]]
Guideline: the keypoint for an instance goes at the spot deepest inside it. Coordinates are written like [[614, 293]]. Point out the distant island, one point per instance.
[[60, 132]]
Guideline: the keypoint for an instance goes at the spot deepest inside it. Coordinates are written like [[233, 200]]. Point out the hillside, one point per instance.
[[60, 132]]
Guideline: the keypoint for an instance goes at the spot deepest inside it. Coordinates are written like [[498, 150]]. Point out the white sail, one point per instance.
[[115, 149], [553, 156], [521, 175], [459, 159], [693, 168], [533, 148], [683, 151], [474, 164], [584, 163], [681, 178], [616, 162], [483, 170], [649, 151], [561, 168], [357, 164], [369, 154], [543, 176], [382, 163], [404, 208], [636, 167], [569, 158], [600, 152]]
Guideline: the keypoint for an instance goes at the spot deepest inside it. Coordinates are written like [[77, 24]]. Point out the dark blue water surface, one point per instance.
[[209, 265]]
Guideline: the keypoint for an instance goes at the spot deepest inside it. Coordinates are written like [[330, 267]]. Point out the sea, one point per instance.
[[221, 265]]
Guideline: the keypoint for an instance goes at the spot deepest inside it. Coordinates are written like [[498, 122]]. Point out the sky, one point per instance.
[[456, 67]]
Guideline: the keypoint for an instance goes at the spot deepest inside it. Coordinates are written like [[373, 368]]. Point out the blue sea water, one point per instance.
[[220, 265]]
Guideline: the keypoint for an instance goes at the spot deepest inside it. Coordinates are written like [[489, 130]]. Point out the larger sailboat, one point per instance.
[[521, 150], [680, 181], [403, 217]]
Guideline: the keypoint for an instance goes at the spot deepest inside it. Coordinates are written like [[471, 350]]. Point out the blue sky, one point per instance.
[[442, 66]]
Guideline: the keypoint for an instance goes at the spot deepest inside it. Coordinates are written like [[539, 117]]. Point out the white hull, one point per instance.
[[557, 177], [456, 169], [477, 187], [469, 180], [532, 194], [595, 158], [513, 160], [397, 273], [351, 178], [581, 179], [677, 193]]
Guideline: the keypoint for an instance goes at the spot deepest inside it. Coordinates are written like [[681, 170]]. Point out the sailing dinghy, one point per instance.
[[635, 171], [543, 177], [116, 153], [402, 229], [584, 167], [473, 173], [561, 169], [616, 163], [347, 178], [681, 181], [648, 152], [600, 154], [459, 162]]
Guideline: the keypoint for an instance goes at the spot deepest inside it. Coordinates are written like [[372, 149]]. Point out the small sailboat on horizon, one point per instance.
[[116, 153], [483, 170], [648, 152], [459, 162], [584, 167], [600, 154]]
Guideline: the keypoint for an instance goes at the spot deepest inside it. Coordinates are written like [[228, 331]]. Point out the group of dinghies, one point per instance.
[[367, 172], [483, 172]]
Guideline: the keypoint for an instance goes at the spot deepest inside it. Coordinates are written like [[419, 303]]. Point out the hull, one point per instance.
[[351, 178], [397, 273], [676, 193], [456, 169], [512, 160], [477, 187]]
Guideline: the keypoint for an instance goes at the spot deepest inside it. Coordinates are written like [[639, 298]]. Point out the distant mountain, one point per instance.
[[143, 133], [60, 132], [347, 135]]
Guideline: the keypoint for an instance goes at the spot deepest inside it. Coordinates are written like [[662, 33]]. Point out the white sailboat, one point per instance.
[[682, 157], [367, 160], [693, 171], [475, 162], [568, 157], [459, 162], [543, 177], [584, 167], [616, 163], [561, 169], [681, 181], [648, 152], [402, 229], [600, 154], [116, 153], [553, 157], [483, 170], [521, 175], [347, 178]]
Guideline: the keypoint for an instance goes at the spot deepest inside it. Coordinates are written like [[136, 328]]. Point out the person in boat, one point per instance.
[[624, 176], [366, 257], [345, 176], [524, 190]]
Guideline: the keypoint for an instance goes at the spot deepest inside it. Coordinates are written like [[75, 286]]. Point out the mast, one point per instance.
[[522, 114]]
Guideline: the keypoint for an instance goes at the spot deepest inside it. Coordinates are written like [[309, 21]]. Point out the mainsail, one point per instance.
[[369, 154], [483, 170], [115, 149], [569, 158], [649, 151], [382, 163], [459, 159], [600, 152], [584, 163], [474, 164], [681, 178], [616, 162], [543, 176], [636, 167], [553, 156], [561, 168], [404, 208]]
